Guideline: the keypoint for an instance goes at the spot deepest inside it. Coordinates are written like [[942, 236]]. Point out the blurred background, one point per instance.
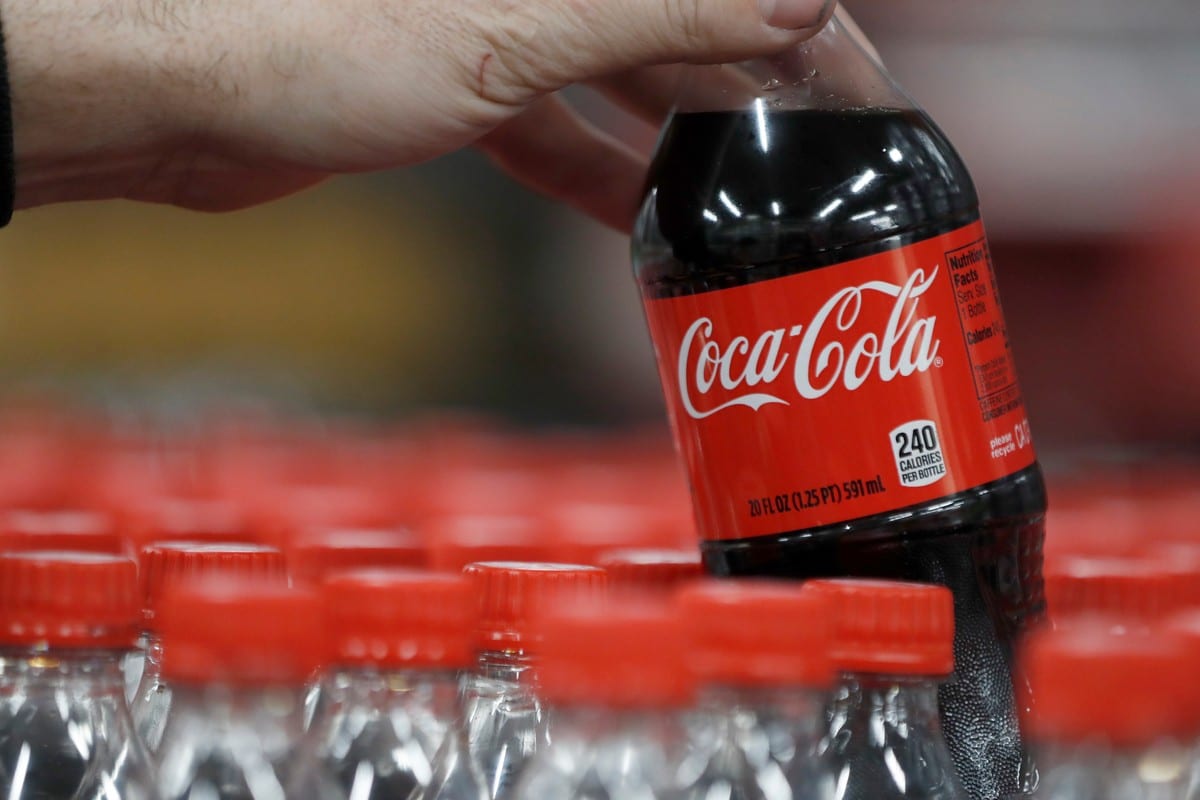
[[445, 286]]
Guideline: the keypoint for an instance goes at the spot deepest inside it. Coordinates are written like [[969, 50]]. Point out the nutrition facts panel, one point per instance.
[[984, 334]]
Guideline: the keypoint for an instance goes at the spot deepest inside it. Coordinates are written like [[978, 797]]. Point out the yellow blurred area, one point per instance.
[[331, 284]]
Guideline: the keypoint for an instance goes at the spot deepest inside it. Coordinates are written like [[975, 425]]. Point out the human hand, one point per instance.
[[221, 104]]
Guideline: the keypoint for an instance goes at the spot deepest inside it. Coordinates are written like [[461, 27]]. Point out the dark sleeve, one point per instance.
[[7, 158]]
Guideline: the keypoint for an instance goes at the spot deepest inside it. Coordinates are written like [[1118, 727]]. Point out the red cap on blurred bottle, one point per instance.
[[74, 530], [763, 633], [890, 627], [164, 519], [455, 541], [167, 563], [400, 618], [1092, 682], [1130, 588], [316, 555], [1098, 528], [65, 599], [614, 654], [649, 569], [512, 594], [241, 632], [583, 531]]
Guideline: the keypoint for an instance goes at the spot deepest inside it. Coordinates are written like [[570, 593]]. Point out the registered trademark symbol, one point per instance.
[[937, 362]]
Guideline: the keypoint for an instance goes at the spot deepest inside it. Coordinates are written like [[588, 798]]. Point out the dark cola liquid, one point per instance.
[[739, 197]]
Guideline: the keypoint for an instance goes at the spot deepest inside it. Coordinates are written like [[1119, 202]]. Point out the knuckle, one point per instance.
[[685, 19], [514, 65]]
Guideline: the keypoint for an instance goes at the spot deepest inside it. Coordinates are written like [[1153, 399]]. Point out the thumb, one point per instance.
[[539, 46]]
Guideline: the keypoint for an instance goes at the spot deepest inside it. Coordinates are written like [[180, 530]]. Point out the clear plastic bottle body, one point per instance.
[[502, 725], [152, 700], [759, 742], [133, 665], [377, 732], [605, 754], [456, 773], [884, 741], [237, 743], [1096, 771], [65, 729]]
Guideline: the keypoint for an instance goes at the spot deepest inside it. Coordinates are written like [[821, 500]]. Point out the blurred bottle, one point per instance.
[[584, 530], [616, 679], [820, 294], [761, 650], [237, 655], [66, 621], [650, 570], [1137, 588], [390, 693], [162, 565], [892, 645], [167, 518], [502, 720], [76, 530], [314, 555], [1114, 715], [456, 540]]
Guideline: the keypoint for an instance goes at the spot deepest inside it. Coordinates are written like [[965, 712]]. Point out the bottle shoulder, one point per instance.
[[740, 196]]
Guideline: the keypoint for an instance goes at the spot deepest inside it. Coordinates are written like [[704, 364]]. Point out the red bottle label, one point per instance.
[[842, 392]]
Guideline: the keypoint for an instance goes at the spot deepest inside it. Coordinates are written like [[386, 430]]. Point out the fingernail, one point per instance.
[[792, 14]]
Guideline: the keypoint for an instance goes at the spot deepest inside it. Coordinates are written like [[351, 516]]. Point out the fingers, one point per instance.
[[650, 92], [533, 48], [553, 150]]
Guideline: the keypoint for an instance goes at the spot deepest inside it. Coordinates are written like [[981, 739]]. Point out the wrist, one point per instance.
[[93, 115]]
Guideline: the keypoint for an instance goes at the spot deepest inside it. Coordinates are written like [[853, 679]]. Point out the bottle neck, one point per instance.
[[153, 648], [884, 737], [99, 670], [587, 723], [787, 701], [354, 685], [898, 699], [273, 713], [1095, 768], [398, 679], [512, 666]]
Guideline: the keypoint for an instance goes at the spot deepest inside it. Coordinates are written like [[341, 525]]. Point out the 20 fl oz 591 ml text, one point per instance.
[[829, 494]]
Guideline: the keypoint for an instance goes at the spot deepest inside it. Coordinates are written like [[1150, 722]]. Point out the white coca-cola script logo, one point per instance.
[[823, 358]]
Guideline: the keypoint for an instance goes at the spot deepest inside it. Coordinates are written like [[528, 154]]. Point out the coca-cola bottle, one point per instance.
[[835, 362]]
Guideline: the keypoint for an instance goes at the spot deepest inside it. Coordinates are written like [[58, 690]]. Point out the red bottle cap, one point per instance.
[[761, 633], [647, 569], [456, 541], [583, 531], [1138, 588], [65, 599], [400, 618], [314, 556], [241, 632], [167, 563], [1094, 682], [76, 531], [617, 655], [890, 627], [511, 594], [164, 519]]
